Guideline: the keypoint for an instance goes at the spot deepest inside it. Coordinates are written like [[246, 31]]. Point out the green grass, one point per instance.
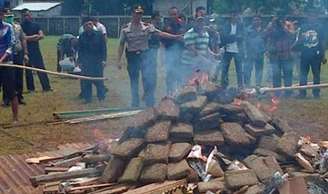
[[307, 116]]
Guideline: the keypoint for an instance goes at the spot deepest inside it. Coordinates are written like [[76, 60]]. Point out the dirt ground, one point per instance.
[[36, 132]]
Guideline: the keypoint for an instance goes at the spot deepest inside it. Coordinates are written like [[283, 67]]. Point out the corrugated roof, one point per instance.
[[15, 172], [36, 6]]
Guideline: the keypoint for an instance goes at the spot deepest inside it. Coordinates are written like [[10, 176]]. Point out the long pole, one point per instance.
[[264, 90], [54, 73]]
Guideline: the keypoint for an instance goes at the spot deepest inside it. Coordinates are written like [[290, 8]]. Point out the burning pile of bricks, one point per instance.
[[204, 138]]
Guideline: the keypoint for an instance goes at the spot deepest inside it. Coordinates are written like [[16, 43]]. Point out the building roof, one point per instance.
[[36, 6]]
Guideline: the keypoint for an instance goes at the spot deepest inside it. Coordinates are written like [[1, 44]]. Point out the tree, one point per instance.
[[72, 7], [269, 6]]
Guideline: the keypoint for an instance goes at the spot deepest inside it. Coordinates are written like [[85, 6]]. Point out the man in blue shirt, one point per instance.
[[7, 74]]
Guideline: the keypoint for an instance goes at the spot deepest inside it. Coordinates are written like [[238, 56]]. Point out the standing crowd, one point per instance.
[[198, 44]]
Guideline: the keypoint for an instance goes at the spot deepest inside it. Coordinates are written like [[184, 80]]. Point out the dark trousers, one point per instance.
[[7, 77], [282, 68], [19, 74], [172, 62], [145, 64], [36, 61], [225, 69], [257, 62], [86, 85], [315, 64]]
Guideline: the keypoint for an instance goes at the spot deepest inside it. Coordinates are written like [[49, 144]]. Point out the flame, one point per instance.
[[273, 107], [237, 102], [198, 78]]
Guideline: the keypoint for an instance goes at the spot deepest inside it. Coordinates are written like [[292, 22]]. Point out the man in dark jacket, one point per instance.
[[34, 34], [232, 41], [92, 59], [311, 44]]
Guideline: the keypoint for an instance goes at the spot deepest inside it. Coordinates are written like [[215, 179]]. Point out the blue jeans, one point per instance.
[[172, 64], [144, 63], [225, 69], [282, 69], [257, 62]]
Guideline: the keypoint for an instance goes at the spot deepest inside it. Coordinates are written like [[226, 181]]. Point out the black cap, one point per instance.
[[138, 9]]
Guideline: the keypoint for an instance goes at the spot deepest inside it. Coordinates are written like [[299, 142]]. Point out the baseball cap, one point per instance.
[[138, 9]]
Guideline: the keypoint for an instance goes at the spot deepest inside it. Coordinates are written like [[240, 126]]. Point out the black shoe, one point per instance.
[[87, 101], [5, 104], [21, 102], [317, 97], [48, 90], [300, 96]]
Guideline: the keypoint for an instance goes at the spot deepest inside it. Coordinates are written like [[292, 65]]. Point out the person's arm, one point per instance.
[[24, 45], [121, 48], [36, 37], [103, 50], [10, 43]]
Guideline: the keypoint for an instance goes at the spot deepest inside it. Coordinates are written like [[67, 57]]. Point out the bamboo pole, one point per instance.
[[264, 90], [54, 73]]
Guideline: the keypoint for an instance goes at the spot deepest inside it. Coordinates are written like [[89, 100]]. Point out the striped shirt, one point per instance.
[[200, 41]]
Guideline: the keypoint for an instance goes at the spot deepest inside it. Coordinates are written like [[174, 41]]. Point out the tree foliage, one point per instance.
[[269, 6]]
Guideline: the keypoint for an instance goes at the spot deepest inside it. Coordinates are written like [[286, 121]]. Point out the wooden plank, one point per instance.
[[167, 186], [37, 180]]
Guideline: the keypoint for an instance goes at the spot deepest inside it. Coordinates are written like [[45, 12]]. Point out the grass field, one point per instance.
[[306, 116]]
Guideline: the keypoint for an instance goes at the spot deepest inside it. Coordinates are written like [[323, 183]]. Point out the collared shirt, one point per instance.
[[136, 37], [101, 28], [199, 40], [233, 47], [7, 38]]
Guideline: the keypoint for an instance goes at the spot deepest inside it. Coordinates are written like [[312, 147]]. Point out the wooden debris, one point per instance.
[[167, 186], [37, 180]]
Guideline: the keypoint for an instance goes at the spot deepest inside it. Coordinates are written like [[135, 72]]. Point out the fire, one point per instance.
[[198, 78], [273, 107], [237, 102]]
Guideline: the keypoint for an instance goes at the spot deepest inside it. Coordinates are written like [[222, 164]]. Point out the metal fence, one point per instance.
[[70, 24]]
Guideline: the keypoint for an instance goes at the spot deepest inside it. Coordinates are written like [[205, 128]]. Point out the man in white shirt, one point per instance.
[[232, 41], [100, 27]]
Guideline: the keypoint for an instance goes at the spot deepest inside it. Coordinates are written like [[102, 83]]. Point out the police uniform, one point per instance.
[[136, 38]]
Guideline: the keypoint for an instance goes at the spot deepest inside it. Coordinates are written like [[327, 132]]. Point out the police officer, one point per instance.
[[135, 35]]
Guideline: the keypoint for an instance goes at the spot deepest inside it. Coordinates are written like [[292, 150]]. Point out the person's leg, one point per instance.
[[239, 70], [225, 69], [259, 63], [43, 77], [276, 74], [149, 76], [304, 71], [133, 71], [59, 58], [316, 70], [10, 89], [248, 68], [100, 86], [172, 61], [287, 67], [29, 75], [18, 60]]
